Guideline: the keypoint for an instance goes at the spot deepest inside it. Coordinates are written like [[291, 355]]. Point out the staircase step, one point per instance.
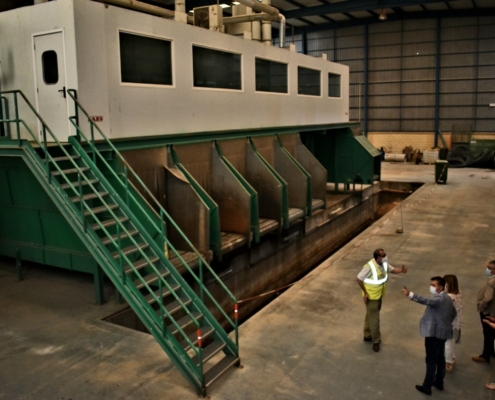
[[189, 257], [70, 171], [193, 337], [184, 322], [165, 292], [83, 183], [89, 196], [108, 223], [174, 306], [130, 250], [106, 240], [219, 369], [63, 158], [151, 279], [101, 209], [209, 351], [140, 264]]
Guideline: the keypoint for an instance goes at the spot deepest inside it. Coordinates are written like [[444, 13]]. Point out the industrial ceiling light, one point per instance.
[[224, 5], [383, 16], [236, 3]]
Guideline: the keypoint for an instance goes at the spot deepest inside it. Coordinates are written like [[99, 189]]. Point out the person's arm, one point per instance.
[[363, 288], [402, 270], [427, 301], [488, 322]]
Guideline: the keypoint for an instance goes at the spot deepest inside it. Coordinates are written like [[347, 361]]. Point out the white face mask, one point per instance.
[[385, 260], [489, 272], [433, 290]]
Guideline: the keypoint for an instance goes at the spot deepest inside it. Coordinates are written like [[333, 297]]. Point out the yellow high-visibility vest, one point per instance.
[[376, 284]]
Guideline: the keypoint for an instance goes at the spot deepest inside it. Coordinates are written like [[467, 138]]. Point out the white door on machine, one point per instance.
[[51, 84]]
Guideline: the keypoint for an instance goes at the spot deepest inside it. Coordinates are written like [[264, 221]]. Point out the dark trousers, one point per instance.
[[435, 362], [488, 338]]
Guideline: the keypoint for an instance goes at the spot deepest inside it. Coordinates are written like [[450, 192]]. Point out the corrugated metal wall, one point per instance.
[[402, 62]]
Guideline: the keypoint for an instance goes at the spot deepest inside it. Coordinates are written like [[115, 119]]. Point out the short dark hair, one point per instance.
[[439, 280], [377, 253], [492, 262]]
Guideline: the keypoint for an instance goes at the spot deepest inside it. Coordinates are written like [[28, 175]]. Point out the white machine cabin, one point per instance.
[[141, 75]]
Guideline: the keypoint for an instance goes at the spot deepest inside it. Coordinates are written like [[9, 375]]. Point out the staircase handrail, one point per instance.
[[49, 158], [163, 213]]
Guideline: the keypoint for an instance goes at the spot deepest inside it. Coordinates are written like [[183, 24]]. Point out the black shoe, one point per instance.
[[439, 387], [422, 389], [368, 339], [376, 347]]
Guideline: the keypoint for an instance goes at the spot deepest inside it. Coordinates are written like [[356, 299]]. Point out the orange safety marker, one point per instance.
[[200, 339]]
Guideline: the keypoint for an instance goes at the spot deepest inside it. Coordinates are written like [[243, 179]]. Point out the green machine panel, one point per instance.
[[349, 159], [31, 226]]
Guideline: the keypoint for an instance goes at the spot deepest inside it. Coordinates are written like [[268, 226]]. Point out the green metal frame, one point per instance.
[[309, 191], [215, 229], [285, 189], [255, 219], [114, 267]]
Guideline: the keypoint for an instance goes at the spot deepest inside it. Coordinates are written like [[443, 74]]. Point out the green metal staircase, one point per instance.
[[128, 239]]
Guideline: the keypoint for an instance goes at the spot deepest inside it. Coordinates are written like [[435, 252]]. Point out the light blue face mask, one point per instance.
[[433, 290], [489, 272]]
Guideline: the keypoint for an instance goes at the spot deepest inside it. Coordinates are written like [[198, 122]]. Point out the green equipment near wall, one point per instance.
[[441, 171], [349, 159]]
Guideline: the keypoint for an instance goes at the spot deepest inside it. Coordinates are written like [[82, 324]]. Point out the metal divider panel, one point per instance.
[[188, 210], [235, 152], [214, 225], [315, 169], [267, 185], [196, 158], [296, 180], [233, 200], [255, 221], [148, 165], [264, 146]]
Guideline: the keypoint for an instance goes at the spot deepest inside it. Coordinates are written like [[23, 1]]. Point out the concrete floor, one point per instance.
[[307, 344]]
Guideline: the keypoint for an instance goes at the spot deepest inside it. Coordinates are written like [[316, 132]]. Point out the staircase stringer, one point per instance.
[[103, 260], [231, 346]]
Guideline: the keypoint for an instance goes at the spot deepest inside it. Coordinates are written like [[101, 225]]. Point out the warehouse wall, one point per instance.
[[402, 66]]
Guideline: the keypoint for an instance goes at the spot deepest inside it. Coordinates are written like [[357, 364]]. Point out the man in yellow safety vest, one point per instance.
[[373, 282]]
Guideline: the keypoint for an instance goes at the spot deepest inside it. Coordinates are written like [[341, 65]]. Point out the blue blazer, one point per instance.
[[439, 314]]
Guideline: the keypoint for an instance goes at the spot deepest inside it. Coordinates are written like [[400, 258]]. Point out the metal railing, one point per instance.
[[163, 215], [81, 217]]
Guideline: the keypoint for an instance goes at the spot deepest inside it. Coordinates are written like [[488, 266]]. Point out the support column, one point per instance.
[[366, 82], [99, 276], [304, 42], [437, 80]]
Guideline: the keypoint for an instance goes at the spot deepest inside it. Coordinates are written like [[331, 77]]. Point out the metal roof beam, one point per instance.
[[352, 5], [478, 12]]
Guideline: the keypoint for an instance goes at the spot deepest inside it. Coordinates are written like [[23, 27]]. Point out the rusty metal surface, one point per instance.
[[318, 173], [293, 144], [235, 152], [197, 160], [270, 196], [234, 202], [265, 146], [187, 209], [149, 166], [297, 182]]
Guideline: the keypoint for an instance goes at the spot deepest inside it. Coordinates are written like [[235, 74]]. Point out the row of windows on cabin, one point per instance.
[[146, 60]]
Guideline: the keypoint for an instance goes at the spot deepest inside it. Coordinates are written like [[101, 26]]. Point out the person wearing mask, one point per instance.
[[373, 282], [436, 328], [452, 289], [486, 307]]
